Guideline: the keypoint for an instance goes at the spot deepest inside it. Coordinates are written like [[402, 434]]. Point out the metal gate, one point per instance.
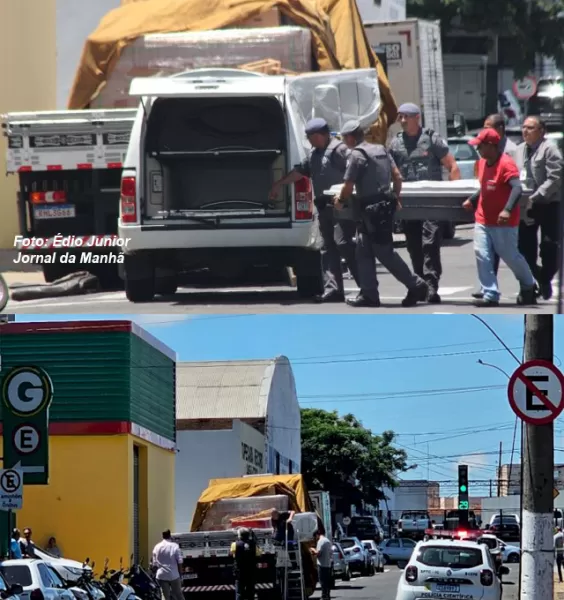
[[136, 551]]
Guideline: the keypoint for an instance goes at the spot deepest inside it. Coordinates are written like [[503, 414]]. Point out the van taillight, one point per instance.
[[128, 206], [486, 577], [411, 574], [36, 595], [303, 198]]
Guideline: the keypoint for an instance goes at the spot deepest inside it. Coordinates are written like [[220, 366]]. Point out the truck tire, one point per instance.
[[139, 278], [347, 574], [166, 286], [140, 290], [309, 276]]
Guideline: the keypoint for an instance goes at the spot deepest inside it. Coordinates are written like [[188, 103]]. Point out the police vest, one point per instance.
[[377, 175], [421, 164], [245, 556], [324, 169]]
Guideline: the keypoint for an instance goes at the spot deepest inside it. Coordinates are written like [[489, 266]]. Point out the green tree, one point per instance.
[[342, 457], [534, 24]]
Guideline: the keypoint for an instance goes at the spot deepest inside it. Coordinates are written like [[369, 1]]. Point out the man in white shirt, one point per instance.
[[559, 551], [324, 553], [167, 559]]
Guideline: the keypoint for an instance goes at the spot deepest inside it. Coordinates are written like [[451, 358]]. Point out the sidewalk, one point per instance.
[[558, 588], [18, 274]]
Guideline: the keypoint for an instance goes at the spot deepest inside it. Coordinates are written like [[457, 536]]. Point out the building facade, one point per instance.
[[509, 479], [111, 436], [212, 397]]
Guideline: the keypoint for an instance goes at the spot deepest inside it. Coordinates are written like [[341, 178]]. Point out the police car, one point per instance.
[[450, 570]]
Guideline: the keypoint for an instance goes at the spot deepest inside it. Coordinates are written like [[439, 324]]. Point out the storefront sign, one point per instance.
[[253, 459]]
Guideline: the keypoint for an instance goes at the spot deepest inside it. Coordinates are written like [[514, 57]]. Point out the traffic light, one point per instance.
[[463, 499]]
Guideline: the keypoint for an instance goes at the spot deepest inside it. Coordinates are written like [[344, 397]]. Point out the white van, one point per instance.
[[205, 149]]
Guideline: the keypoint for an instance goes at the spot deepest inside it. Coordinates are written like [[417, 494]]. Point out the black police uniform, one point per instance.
[[326, 167], [370, 169], [244, 569], [419, 159]]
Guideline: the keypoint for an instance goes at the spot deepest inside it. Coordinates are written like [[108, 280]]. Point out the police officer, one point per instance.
[[326, 165], [420, 154], [244, 552], [371, 170]]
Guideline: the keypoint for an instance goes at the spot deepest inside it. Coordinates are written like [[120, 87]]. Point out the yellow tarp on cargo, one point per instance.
[[339, 41], [292, 486]]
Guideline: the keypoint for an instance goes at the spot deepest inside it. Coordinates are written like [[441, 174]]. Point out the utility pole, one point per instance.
[[499, 469], [537, 556]]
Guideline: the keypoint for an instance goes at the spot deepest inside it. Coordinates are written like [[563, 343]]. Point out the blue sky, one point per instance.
[[417, 375]]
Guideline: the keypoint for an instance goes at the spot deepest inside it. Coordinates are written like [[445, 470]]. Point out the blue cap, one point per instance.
[[350, 127], [316, 126], [409, 109]]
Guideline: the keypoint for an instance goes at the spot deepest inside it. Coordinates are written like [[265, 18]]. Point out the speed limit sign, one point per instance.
[[525, 88]]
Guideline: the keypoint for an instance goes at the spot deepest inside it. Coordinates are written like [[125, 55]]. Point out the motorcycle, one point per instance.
[[84, 588], [143, 582], [113, 586], [4, 293]]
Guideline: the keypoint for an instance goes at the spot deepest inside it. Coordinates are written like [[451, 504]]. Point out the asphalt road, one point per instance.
[[382, 586], [458, 282]]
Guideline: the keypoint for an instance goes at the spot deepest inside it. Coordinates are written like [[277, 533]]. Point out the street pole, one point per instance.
[[537, 556]]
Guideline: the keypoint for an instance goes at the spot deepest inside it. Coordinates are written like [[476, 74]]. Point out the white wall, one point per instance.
[[388, 10], [205, 455], [283, 429], [76, 20]]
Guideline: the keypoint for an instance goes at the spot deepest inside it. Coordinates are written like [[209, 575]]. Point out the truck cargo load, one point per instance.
[[338, 39]]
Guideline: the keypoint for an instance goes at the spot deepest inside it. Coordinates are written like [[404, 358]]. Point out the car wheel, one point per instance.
[[347, 574], [449, 230], [166, 286], [386, 559], [513, 558], [140, 290]]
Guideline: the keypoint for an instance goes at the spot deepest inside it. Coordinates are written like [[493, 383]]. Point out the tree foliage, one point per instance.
[[534, 24], [342, 457]]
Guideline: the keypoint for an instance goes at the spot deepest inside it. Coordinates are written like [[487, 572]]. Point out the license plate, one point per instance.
[[64, 211], [191, 576], [453, 589]]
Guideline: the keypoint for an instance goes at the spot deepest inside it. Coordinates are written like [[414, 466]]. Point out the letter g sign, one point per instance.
[[27, 391]]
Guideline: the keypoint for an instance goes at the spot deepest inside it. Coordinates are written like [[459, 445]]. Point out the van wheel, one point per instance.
[[140, 290], [309, 285], [167, 286]]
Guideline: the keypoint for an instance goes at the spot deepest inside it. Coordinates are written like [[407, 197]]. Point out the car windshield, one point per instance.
[[461, 150], [453, 557], [511, 519], [17, 574], [348, 543], [490, 543]]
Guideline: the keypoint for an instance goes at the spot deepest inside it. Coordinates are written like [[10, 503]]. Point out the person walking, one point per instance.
[[370, 171], [540, 163], [497, 214], [167, 560], [244, 552], [559, 551], [421, 154], [324, 552], [506, 146], [325, 165]]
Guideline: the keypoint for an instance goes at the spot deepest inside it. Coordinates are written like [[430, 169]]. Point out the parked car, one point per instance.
[[376, 553], [511, 554], [359, 559], [414, 522], [506, 527], [435, 567], [341, 569], [366, 527], [36, 577], [464, 154], [396, 549], [12, 591]]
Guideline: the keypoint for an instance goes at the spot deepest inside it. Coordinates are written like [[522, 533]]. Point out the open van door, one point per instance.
[[336, 96]]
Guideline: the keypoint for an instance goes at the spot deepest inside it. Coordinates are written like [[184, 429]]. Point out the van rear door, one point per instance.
[[214, 142]]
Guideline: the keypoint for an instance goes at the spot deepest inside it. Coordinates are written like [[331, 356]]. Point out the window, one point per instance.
[[57, 581], [45, 577], [393, 544], [348, 543], [408, 543], [454, 557], [17, 574]]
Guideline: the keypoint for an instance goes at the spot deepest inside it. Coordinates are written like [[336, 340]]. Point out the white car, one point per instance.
[[511, 554], [377, 556], [450, 569], [205, 148], [12, 591], [36, 577], [68, 570]]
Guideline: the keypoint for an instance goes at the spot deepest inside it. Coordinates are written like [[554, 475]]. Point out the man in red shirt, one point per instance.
[[497, 215]]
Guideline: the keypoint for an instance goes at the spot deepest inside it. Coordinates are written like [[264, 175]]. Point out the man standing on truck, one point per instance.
[[325, 165], [420, 155], [244, 552], [324, 552], [371, 171], [167, 559], [282, 521]]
